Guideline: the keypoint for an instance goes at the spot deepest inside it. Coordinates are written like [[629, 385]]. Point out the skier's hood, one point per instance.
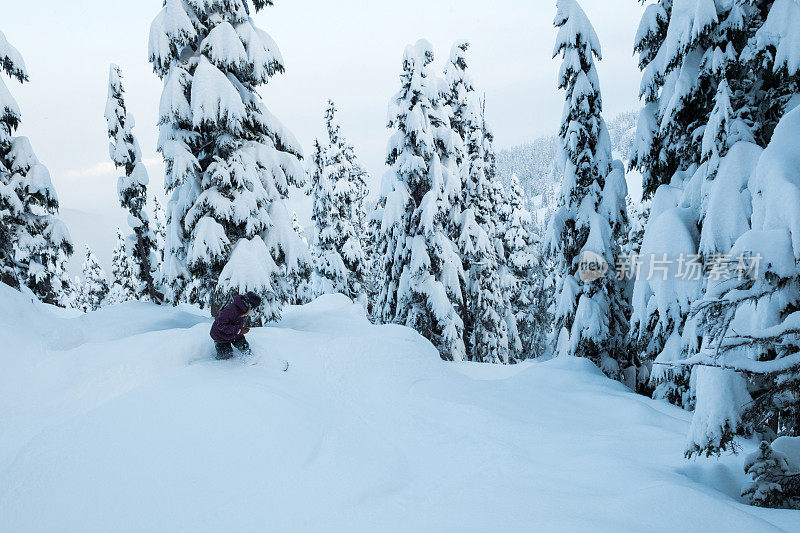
[[238, 303]]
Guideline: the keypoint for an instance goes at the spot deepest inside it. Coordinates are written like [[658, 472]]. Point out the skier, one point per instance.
[[229, 330]]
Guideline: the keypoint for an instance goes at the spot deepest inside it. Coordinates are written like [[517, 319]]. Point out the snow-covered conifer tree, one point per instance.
[[715, 87], [749, 319], [11, 210], [488, 338], [230, 162], [685, 47], [590, 313], [682, 64], [525, 278], [34, 243], [95, 283], [422, 277], [687, 50], [338, 189], [160, 234], [330, 273], [372, 247], [301, 291], [771, 483], [132, 187], [125, 285], [42, 243], [460, 97], [350, 193], [298, 228], [748, 323], [484, 313]]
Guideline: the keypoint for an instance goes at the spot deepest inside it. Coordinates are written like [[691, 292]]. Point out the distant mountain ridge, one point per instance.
[[533, 162]]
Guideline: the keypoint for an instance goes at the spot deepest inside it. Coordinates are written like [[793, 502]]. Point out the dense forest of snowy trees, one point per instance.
[[690, 295]]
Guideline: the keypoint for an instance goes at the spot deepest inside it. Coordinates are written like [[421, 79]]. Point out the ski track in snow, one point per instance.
[[106, 426]]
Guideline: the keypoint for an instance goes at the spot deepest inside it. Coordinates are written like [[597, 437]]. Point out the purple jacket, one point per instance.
[[228, 325]]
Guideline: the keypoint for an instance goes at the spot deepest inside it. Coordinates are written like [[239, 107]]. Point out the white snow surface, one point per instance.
[[119, 420]]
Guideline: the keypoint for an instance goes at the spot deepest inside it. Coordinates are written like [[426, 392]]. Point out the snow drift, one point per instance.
[[119, 420]]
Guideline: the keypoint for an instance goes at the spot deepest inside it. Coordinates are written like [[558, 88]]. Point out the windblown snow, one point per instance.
[[118, 420]]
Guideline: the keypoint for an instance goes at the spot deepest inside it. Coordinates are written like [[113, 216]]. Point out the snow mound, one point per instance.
[[131, 422]]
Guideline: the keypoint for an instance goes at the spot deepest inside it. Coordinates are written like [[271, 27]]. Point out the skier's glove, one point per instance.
[[245, 330]]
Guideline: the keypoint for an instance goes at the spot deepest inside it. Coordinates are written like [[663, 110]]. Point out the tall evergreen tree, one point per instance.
[[95, 283], [486, 334], [301, 291], [339, 189], [712, 76], [525, 281], [230, 162], [132, 187], [330, 273], [34, 243], [372, 250], [11, 210], [749, 319], [422, 277], [125, 285], [713, 140], [590, 313], [160, 234]]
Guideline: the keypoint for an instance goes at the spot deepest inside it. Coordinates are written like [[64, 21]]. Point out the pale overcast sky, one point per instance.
[[347, 50]]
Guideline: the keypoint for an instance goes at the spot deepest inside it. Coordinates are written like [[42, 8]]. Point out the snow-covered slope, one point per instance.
[[109, 423]]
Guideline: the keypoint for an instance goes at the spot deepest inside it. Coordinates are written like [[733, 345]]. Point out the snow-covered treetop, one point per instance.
[[232, 42], [331, 124], [91, 262], [12, 64], [455, 71], [460, 94], [115, 87], [575, 31], [212, 52], [414, 114], [11, 61], [123, 150], [585, 138], [578, 45]]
